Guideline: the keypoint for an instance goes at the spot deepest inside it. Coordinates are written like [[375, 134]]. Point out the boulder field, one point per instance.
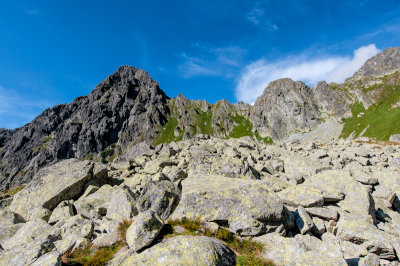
[[333, 203]]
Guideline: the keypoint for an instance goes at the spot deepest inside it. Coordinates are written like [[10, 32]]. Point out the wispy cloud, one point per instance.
[[212, 61], [33, 11], [259, 74], [255, 15], [16, 110]]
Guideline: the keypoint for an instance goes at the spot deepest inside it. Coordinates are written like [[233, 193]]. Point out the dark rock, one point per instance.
[[124, 108]]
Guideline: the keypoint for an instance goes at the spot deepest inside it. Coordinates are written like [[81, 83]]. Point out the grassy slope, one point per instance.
[[244, 128], [167, 133], [202, 124], [382, 121]]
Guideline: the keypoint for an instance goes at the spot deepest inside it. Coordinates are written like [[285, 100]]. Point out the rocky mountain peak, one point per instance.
[[122, 110], [379, 65], [284, 107]]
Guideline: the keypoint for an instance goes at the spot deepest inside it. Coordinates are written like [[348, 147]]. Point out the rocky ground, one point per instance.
[[331, 203]]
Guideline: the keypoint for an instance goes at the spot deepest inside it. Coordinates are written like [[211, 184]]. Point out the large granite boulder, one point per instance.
[[218, 198], [62, 181], [182, 250], [144, 230], [162, 197]]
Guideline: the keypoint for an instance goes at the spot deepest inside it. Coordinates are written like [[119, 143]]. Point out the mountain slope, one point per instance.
[[128, 107]]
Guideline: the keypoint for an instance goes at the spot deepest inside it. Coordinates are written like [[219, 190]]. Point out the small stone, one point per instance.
[[319, 226]]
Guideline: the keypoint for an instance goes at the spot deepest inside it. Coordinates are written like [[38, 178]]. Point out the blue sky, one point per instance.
[[54, 51]]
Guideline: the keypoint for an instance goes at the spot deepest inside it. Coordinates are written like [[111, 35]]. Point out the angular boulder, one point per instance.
[[53, 184], [162, 197], [122, 205], [31, 232], [144, 230], [95, 205], [218, 198], [184, 250], [336, 183]]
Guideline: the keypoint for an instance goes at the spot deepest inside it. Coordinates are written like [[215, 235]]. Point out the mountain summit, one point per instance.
[[124, 108]]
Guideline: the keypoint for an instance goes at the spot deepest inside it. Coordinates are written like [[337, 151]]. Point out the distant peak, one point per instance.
[[379, 65]]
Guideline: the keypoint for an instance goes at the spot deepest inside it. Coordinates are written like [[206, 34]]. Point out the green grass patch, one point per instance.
[[47, 139], [266, 140], [248, 251], [204, 122], [382, 120], [243, 127], [107, 155], [167, 133], [88, 256]]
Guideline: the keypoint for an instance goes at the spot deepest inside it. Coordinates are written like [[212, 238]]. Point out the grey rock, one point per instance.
[[105, 240], [48, 259], [305, 196], [72, 231], [395, 138], [122, 205], [182, 250], [31, 232], [325, 213], [144, 230], [123, 108], [63, 181], [285, 107], [217, 198], [63, 211], [95, 205], [280, 249], [162, 197], [370, 260], [303, 221], [319, 226], [381, 64]]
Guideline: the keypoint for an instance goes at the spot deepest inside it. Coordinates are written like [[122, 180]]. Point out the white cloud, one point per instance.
[[256, 76], [212, 61]]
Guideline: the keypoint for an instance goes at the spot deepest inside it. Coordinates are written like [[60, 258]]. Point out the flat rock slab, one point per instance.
[[352, 229], [299, 251], [218, 198], [324, 213], [184, 250], [53, 184], [301, 196], [30, 233], [334, 183]]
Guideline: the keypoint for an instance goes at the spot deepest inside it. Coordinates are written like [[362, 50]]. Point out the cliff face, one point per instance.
[[123, 108], [128, 107]]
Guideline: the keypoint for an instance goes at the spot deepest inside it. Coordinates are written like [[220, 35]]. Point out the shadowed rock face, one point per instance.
[[125, 107]]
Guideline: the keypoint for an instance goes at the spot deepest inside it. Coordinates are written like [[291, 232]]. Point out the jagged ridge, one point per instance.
[[129, 107]]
